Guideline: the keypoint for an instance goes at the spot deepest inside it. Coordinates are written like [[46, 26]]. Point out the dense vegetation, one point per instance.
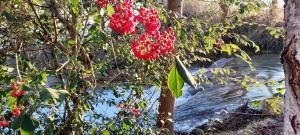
[[60, 58]]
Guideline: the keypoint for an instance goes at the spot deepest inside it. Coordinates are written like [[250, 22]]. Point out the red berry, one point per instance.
[[102, 3], [219, 43], [123, 21], [145, 47], [4, 123], [15, 86], [16, 92], [135, 111], [167, 41], [16, 112], [121, 106], [149, 19], [153, 44]]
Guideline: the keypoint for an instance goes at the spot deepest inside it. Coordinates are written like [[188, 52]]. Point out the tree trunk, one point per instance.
[[225, 11], [1, 7], [166, 109], [176, 7], [291, 62], [167, 100]]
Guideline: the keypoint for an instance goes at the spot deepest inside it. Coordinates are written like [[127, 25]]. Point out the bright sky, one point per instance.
[[281, 2]]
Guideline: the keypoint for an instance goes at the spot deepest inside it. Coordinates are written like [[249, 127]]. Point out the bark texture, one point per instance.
[[166, 110], [290, 59]]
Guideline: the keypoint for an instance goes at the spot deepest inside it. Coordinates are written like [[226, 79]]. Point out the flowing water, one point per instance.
[[196, 106], [194, 110]]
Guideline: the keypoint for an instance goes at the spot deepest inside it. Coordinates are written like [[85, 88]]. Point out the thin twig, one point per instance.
[[17, 66], [114, 53], [62, 66], [17, 61]]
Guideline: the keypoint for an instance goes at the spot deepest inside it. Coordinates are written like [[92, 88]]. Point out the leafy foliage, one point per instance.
[[175, 82], [67, 59]]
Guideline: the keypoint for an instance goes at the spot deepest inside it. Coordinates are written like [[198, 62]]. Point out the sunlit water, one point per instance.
[[194, 110]]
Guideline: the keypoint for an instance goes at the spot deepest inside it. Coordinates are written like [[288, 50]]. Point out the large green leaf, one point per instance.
[[27, 124], [56, 96], [185, 74], [175, 82]]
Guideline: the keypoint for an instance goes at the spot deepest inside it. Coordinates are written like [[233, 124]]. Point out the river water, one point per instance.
[[195, 110], [196, 106]]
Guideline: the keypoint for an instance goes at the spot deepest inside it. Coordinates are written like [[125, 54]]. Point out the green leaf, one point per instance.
[[226, 48], [105, 132], [38, 2], [273, 32], [184, 73], [56, 96], [281, 91], [93, 131], [175, 82], [23, 132], [6, 68], [29, 64], [110, 10], [74, 5], [126, 126], [245, 56], [111, 126], [44, 76], [25, 123], [274, 104], [12, 102], [7, 15], [256, 103]]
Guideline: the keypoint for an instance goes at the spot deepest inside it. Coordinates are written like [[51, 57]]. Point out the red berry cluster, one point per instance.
[[167, 41], [103, 3], [16, 111], [16, 92], [123, 21], [149, 45], [146, 46], [149, 19]]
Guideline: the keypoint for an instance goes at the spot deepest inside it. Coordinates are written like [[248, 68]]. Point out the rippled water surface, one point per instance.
[[192, 110]]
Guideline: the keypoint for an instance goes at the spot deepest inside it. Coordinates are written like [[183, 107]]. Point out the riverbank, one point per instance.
[[241, 122]]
